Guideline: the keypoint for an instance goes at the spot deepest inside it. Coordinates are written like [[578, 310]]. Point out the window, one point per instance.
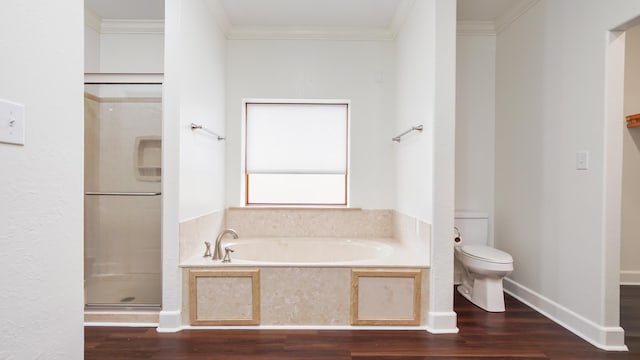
[[296, 153]]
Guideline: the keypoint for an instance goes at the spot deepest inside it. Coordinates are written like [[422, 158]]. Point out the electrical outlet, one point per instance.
[[11, 122]]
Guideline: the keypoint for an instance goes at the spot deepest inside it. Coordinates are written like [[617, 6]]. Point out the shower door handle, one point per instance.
[[123, 193]]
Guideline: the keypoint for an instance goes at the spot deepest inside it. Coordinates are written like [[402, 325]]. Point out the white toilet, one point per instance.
[[480, 268]]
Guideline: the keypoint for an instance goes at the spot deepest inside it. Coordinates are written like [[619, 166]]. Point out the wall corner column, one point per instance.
[[442, 318], [170, 315]]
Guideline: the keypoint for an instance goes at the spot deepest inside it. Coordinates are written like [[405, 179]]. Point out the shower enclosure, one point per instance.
[[123, 126]]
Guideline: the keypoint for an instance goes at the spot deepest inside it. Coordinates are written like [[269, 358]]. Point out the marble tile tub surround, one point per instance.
[[304, 222], [193, 233], [412, 232], [309, 296], [298, 296], [310, 222]]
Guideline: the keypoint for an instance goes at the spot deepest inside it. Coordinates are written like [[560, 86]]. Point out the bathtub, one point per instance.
[[308, 282], [317, 251], [308, 250]]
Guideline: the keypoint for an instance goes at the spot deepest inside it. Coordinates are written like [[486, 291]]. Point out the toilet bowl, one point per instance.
[[484, 268]]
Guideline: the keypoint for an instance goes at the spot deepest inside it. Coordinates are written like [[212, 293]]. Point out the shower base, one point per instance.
[[123, 290], [132, 299]]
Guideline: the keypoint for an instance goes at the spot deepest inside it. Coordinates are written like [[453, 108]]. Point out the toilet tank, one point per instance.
[[473, 226]]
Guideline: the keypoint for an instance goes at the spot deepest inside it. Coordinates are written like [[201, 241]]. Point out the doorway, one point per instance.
[[630, 228], [630, 197]]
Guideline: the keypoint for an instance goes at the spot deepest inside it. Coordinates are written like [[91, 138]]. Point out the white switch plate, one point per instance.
[[11, 122], [582, 160]]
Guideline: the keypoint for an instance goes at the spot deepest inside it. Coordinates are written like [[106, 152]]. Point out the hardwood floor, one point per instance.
[[518, 333]]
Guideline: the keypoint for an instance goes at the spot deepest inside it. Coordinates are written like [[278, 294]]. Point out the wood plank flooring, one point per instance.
[[519, 333]]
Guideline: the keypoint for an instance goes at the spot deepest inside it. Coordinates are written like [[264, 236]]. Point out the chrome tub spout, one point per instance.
[[217, 251]]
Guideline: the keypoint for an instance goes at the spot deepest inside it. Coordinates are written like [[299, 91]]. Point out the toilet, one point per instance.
[[479, 268]]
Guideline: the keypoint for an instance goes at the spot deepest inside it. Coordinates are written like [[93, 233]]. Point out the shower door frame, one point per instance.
[[128, 79]]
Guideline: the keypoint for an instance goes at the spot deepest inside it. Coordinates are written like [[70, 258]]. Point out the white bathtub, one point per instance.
[[317, 251], [307, 282], [308, 250]]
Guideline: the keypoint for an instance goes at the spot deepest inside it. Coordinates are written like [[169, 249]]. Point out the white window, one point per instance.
[[296, 153]]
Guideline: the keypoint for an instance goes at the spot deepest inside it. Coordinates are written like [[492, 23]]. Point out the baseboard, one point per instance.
[[442, 322], [170, 321], [119, 324], [630, 277], [302, 327], [606, 338]]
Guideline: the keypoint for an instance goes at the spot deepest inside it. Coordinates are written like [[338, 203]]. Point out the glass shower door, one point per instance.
[[123, 125]]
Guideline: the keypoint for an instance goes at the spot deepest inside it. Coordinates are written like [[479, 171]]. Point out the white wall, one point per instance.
[[131, 52], [630, 237], [415, 96], [123, 46], [475, 123], [202, 101], [91, 49], [361, 71], [550, 103], [41, 194], [193, 162]]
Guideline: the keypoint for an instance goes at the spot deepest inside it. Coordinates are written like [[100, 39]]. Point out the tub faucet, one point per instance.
[[207, 252], [217, 250]]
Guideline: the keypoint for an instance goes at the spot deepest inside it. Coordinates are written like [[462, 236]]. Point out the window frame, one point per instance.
[[245, 175]]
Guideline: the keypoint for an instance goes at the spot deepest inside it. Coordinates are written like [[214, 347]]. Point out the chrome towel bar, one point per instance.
[[123, 193], [200, 127], [413, 128]]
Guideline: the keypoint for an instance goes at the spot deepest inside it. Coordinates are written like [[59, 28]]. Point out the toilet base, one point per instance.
[[485, 293]]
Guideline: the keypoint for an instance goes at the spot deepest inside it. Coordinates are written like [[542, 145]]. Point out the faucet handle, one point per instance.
[[227, 256], [207, 252]]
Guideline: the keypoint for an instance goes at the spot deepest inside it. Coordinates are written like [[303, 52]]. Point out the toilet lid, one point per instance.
[[487, 253]]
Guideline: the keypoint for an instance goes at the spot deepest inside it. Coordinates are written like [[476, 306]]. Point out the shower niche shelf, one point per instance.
[[148, 158], [633, 120]]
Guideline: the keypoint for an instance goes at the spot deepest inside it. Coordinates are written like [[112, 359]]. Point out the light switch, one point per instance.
[[582, 160], [11, 122]]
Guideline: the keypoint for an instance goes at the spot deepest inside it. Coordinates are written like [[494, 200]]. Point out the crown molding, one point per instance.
[[220, 16], [512, 14], [232, 32], [110, 26], [492, 28], [92, 20], [476, 28], [464, 28], [113, 26], [399, 18]]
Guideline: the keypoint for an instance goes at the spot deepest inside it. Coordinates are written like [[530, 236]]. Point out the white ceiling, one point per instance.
[[301, 13]]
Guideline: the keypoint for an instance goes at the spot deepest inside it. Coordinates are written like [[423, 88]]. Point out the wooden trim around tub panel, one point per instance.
[[356, 275], [253, 274]]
